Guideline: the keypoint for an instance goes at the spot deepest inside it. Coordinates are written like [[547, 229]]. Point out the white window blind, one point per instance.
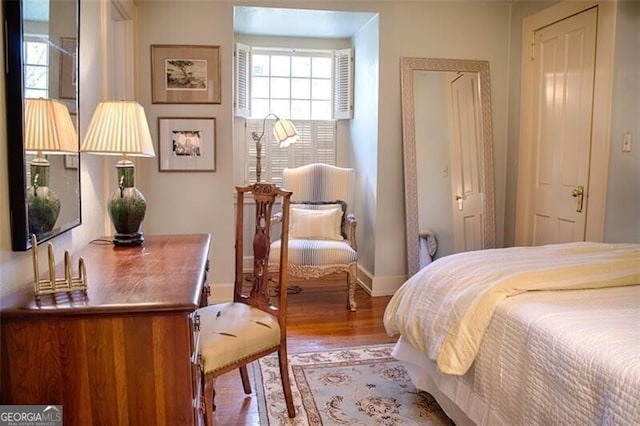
[[342, 87], [242, 76], [316, 144]]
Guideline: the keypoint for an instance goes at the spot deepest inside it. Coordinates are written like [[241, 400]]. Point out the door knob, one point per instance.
[[460, 200], [578, 194]]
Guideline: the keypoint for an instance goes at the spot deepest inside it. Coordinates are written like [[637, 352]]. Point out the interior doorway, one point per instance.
[[563, 157]]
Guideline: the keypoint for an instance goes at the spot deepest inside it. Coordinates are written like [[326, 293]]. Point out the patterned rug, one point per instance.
[[351, 386]]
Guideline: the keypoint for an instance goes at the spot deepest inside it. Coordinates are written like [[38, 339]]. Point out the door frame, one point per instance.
[[600, 128]]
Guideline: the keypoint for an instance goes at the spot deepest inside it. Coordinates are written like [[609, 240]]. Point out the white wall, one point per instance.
[[437, 30], [203, 202], [363, 151], [190, 202], [622, 220]]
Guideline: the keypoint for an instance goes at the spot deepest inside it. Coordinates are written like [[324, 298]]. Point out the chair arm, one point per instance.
[[351, 230], [276, 218]]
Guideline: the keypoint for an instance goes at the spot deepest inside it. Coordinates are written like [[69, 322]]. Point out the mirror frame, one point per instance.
[[16, 157], [407, 67]]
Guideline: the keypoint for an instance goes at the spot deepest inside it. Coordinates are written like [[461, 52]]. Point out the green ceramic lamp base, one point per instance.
[[126, 207]]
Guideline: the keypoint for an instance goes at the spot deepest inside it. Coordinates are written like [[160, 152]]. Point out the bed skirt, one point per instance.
[[454, 393]]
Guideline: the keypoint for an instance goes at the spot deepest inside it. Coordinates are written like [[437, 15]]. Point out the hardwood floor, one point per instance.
[[318, 319]]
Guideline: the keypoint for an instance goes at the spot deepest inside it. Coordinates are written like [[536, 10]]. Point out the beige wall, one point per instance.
[[203, 202], [622, 219]]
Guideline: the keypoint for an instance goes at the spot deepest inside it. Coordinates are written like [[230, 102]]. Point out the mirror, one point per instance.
[[41, 63], [448, 158]]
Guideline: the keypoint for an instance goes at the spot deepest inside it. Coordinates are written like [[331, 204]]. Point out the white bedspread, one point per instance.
[[549, 358], [446, 307]]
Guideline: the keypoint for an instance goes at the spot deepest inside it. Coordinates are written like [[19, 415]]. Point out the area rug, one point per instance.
[[351, 386]]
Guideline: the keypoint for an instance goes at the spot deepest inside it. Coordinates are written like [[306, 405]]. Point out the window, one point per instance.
[[36, 78], [36, 74], [302, 85], [291, 84]]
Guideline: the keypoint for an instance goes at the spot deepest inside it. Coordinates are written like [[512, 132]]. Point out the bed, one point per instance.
[[526, 335]]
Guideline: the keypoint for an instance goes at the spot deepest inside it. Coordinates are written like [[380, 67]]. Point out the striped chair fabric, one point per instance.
[[313, 185]]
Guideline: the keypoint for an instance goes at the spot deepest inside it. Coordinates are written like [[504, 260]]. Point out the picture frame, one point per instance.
[[185, 74], [68, 65], [71, 161], [187, 144]]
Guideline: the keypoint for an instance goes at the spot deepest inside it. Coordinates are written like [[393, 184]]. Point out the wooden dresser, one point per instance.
[[127, 354]]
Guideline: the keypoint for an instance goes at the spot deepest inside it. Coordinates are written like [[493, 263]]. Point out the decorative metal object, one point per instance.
[[284, 132], [55, 285]]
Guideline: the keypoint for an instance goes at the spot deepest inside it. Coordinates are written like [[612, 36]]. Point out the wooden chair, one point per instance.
[[235, 333], [321, 243]]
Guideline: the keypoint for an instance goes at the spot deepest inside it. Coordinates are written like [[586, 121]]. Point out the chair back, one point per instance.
[[257, 292], [320, 182]]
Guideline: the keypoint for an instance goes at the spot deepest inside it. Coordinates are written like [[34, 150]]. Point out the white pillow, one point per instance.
[[315, 224]]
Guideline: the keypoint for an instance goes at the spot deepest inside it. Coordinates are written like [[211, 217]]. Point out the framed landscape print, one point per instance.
[[185, 74], [187, 144], [68, 67]]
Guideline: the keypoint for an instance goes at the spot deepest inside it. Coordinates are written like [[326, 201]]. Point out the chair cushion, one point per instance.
[[315, 224], [230, 332], [322, 205], [316, 252]]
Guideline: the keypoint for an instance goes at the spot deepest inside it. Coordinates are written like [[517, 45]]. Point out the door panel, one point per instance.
[[466, 178], [564, 53]]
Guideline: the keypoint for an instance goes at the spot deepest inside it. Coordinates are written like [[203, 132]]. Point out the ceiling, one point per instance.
[[298, 22], [35, 10]]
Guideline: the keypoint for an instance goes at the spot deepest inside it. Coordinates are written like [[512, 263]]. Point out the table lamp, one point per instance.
[[48, 129], [284, 132], [120, 128]]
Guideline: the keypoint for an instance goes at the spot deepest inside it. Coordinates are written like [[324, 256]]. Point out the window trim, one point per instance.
[[342, 78]]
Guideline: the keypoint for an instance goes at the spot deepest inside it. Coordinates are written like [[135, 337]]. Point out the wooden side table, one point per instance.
[[127, 353]]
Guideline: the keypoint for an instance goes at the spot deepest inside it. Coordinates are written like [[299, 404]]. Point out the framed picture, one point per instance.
[[187, 144], [182, 74], [68, 77], [71, 161]]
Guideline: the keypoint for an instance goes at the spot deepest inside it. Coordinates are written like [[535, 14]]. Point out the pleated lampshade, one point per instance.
[[119, 128], [48, 127]]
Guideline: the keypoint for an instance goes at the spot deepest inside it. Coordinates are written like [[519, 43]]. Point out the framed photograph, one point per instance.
[[187, 144], [68, 66], [183, 74], [71, 161]]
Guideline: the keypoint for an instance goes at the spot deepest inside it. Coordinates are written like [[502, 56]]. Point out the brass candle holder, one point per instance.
[[55, 285]]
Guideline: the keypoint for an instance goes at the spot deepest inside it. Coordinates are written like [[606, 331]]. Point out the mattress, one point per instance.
[[446, 307], [548, 357]]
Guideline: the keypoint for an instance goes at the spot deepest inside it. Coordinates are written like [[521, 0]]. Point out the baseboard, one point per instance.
[[387, 286], [379, 286], [365, 280]]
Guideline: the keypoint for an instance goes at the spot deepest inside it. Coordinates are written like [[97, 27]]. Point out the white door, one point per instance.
[[466, 175], [564, 56]]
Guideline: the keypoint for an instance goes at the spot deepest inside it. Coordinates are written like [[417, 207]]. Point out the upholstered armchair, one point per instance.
[[322, 231]]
